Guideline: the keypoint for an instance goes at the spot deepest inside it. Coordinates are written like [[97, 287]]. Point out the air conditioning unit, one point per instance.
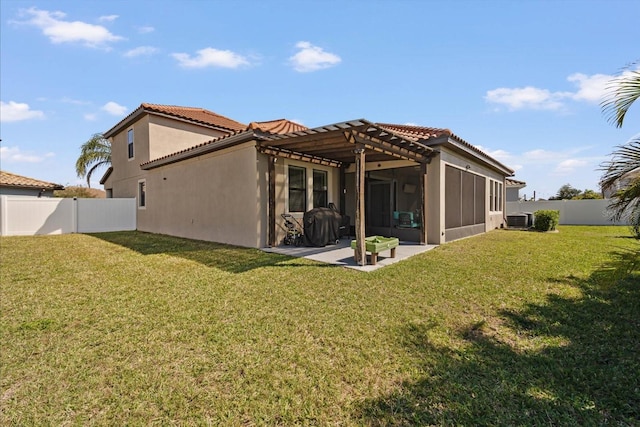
[[517, 220]]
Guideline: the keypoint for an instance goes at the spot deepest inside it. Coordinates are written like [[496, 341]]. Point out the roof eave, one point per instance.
[[465, 147], [106, 175]]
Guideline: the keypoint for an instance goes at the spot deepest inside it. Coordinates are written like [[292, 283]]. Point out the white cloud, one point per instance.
[[68, 100], [539, 155], [90, 117], [312, 58], [114, 109], [146, 29], [16, 111], [526, 98], [108, 18], [590, 88], [15, 155], [141, 51], [58, 30], [569, 166], [210, 57]]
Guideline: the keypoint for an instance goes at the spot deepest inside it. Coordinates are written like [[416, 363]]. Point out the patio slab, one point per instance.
[[342, 254]]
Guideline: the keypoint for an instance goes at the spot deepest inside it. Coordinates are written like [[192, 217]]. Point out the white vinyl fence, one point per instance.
[[572, 212], [28, 216]]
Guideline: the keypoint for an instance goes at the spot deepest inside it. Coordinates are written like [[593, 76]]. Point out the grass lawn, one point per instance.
[[507, 328]]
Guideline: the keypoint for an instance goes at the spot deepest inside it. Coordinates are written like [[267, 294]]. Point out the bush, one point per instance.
[[546, 220]]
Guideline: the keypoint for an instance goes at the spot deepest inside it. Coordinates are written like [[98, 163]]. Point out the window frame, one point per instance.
[[303, 189], [309, 170], [324, 190], [496, 198], [142, 194], [130, 144]]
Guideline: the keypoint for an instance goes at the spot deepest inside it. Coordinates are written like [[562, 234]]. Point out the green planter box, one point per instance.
[[376, 244]]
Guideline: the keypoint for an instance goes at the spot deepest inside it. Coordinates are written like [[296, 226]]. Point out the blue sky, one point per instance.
[[520, 79]]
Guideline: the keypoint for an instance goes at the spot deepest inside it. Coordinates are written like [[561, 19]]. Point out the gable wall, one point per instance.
[[170, 136]]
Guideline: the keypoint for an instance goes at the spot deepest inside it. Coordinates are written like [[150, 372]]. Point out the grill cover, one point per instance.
[[321, 226]]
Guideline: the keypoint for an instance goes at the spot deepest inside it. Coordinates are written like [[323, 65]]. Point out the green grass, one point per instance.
[[507, 328]]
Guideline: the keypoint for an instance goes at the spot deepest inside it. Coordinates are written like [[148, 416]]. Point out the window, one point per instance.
[[297, 189], [142, 194], [464, 198], [495, 196], [130, 143], [320, 189]]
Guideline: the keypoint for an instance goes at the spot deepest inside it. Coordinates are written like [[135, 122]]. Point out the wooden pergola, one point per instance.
[[338, 145]]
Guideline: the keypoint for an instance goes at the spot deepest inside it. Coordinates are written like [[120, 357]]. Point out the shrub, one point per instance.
[[546, 220]]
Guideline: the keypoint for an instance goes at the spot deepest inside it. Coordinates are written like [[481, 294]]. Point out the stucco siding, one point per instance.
[[170, 136], [126, 172], [214, 197]]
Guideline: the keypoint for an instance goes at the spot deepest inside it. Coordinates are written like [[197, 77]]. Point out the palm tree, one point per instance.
[[94, 153], [622, 91], [624, 167]]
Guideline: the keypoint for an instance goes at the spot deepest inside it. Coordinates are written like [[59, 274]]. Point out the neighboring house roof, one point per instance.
[[8, 179], [514, 183], [194, 115], [280, 126]]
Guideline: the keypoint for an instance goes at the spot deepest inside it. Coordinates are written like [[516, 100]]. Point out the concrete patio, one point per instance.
[[342, 254]]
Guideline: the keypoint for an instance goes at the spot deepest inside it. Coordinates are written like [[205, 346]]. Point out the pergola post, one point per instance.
[[423, 203], [271, 214], [360, 252]]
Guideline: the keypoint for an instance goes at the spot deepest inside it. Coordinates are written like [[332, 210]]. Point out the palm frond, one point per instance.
[[625, 160], [621, 92], [94, 153]]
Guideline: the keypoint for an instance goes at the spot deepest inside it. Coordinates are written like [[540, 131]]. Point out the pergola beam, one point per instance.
[[271, 151]]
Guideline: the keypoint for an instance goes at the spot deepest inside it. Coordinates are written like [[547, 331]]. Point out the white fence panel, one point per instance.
[[28, 216], [100, 215], [572, 212]]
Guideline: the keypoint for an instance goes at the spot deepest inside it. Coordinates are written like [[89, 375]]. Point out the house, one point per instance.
[[513, 189], [200, 175], [624, 182], [12, 184]]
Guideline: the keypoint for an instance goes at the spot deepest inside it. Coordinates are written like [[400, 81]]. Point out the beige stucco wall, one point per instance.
[[214, 197], [167, 136], [126, 172], [170, 136]]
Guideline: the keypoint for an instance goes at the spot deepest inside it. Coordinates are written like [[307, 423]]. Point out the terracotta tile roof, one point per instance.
[[8, 179], [415, 133], [280, 126], [191, 114], [424, 134], [197, 115]]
